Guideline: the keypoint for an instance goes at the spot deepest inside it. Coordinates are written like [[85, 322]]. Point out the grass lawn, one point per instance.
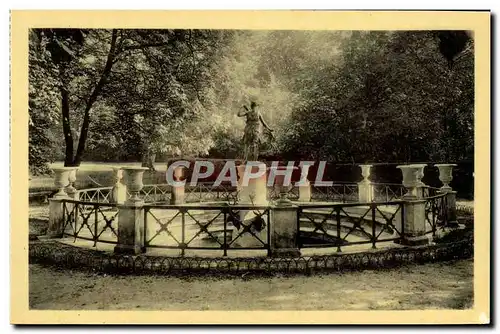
[[447, 285]]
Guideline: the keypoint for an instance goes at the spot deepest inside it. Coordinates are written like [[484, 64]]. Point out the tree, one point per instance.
[[390, 96], [150, 79]]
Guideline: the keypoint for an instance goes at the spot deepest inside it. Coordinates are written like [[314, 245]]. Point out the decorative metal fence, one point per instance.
[[337, 192], [330, 225], [210, 219], [386, 192], [219, 227], [207, 192], [90, 221], [435, 213], [96, 195]]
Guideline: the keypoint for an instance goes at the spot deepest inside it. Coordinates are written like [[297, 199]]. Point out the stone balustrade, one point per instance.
[[283, 214]]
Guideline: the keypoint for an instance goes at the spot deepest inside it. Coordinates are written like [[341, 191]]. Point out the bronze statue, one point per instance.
[[252, 136]]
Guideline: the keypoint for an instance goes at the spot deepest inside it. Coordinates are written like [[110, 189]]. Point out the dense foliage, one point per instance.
[[131, 95]]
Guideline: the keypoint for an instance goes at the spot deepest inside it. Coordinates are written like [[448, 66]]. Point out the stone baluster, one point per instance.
[[56, 203], [365, 187], [414, 208], [131, 215], [450, 207]]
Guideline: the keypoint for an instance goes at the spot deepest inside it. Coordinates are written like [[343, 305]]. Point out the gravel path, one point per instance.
[[430, 286]]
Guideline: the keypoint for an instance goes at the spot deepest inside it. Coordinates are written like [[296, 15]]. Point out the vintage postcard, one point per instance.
[[215, 167]]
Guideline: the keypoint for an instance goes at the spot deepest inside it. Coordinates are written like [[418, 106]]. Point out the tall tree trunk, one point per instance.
[[93, 97], [68, 136]]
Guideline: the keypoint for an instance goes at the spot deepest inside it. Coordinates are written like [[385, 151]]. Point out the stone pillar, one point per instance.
[[284, 231], [119, 191], [252, 194], [56, 204], [131, 215], [446, 176], [365, 188], [177, 195], [414, 208]]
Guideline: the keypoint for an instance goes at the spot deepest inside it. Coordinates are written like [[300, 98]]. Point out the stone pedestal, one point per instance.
[[56, 203], [414, 207], [284, 231], [119, 191], [130, 228], [178, 190], [56, 218], [131, 215], [450, 207], [251, 192], [414, 222]]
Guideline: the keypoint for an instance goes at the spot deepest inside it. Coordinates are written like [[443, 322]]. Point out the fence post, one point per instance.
[[284, 230], [365, 187], [119, 191], [131, 215], [413, 208], [446, 176], [56, 203]]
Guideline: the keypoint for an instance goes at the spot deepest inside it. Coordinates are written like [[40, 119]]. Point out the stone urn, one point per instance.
[[134, 181], [365, 172], [411, 174], [420, 174], [119, 191], [61, 180], [70, 189], [445, 174], [365, 188]]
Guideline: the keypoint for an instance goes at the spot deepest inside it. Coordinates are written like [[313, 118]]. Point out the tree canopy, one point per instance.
[[130, 95]]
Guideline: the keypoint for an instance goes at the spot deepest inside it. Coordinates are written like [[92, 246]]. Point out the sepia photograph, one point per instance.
[[206, 167]]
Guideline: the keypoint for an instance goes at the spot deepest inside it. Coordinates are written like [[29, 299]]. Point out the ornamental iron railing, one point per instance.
[[218, 227], [211, 219]]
